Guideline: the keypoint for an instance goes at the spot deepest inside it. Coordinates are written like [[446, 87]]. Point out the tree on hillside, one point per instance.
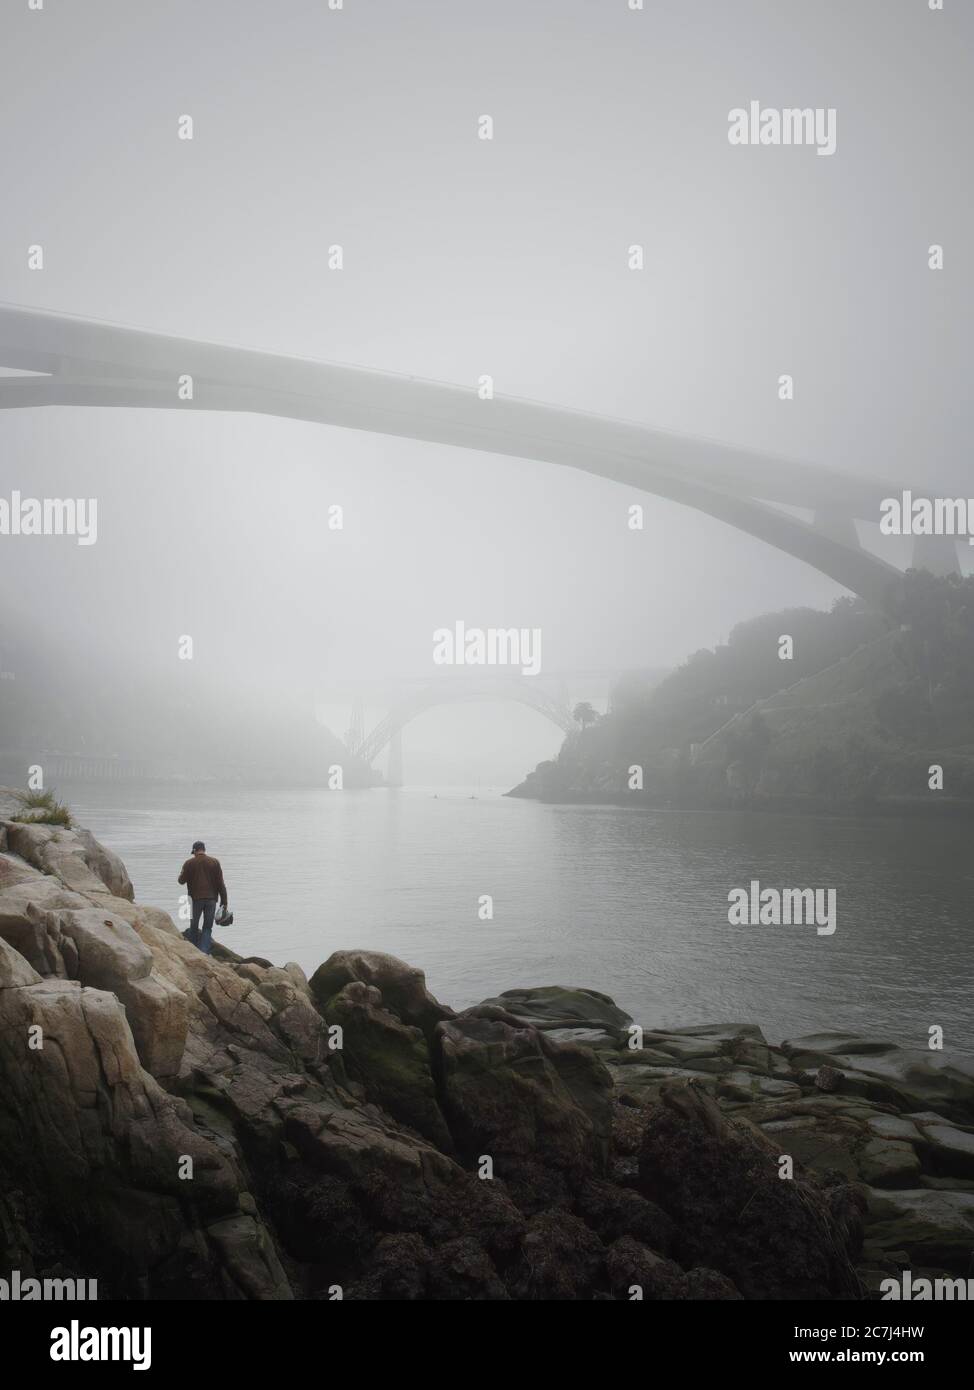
[[584, 714], [939, 615]]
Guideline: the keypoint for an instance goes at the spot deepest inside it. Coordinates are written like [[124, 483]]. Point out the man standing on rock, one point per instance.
[[203, 877]]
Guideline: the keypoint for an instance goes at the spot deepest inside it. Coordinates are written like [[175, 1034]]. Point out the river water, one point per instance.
[[619, 899]]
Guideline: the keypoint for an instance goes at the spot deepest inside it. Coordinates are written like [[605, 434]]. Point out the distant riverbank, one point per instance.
[[923, 807], [850, 712]]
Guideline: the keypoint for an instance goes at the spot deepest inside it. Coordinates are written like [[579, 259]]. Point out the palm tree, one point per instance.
[[584, 714]]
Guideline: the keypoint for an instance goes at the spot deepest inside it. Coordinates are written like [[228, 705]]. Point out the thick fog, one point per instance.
[[358, 127]]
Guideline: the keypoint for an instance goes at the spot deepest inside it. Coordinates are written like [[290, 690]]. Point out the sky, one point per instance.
[[358, 127]]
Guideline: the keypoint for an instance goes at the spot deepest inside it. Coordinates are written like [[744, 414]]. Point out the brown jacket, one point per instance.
[[203, 877]]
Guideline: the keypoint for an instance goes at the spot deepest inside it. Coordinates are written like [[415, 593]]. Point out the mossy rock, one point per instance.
[[390, 1059], [557, 1006]]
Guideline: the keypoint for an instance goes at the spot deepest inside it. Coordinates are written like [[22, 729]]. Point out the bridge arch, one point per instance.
[[84, 362], [522, 690]]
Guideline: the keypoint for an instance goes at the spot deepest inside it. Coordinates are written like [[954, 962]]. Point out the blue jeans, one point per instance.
[[205, 908]]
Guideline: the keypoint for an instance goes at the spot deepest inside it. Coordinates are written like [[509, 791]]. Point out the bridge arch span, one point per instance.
[[520, 689], [85, 362]]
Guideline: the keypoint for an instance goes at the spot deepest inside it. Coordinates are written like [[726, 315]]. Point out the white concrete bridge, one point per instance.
[[82, 362]]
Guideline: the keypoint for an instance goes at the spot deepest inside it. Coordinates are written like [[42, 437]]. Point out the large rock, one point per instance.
[[116, 1159], [636, 1272], [224, 1009], [250, 1264], [560, 1259], [390, 1059], [13, 869], [106, 864], [61, 935], [110, 955], [363, 1147], [460, 1271], [74, 856], [403, 987], [537, 1108], [949, 1150], [888, 1163], [29, 922], [293, 1015], [908, 1079], [614, 1211], [15, 971], [936, 1228], [554, 1007], [719, 1181]]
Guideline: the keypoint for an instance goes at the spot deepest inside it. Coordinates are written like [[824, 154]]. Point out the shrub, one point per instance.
[[42, 808]]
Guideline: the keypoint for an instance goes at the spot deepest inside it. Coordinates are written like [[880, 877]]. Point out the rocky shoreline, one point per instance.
[[182, 1126]]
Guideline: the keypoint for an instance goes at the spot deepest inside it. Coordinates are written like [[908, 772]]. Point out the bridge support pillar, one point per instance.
[[938, 554]]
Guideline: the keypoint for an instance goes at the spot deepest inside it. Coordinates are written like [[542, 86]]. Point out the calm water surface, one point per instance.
[[626, 901]]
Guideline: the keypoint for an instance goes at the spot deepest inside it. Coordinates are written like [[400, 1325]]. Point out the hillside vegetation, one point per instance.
[[866, 705]]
